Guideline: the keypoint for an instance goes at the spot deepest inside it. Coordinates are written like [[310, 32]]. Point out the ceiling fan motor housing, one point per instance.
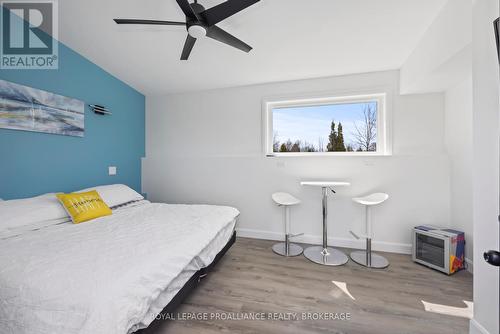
[[197, 31], [196, 28], [197, 8]]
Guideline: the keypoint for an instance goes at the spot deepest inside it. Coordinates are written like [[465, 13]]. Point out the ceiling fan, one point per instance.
[[201, 22]]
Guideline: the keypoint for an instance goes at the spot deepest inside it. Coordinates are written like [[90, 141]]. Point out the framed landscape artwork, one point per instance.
[[30, 109]]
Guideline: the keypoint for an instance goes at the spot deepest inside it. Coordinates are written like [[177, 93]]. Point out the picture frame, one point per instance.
[[30, 109]]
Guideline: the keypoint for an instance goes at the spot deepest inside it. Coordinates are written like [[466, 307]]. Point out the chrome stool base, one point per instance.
[[377, 261], [293, 249], [328, 257]]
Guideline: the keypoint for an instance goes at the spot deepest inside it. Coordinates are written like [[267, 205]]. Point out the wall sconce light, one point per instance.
[[101, 110]]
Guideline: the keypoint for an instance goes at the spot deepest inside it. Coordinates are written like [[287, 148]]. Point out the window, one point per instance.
[[353, 125]]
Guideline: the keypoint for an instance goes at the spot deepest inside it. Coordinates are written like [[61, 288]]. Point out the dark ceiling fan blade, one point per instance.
[[222, 36], [186, 8], [224, 10], [154, 22], [188, 46]]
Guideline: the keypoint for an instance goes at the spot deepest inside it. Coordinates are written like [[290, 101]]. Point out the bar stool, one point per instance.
[[367, 258], [286, 248]]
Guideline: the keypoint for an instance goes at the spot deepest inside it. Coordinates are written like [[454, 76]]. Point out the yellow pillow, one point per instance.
[[84, 206]]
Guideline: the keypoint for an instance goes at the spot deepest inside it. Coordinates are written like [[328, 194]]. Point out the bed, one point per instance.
[[114, 274]]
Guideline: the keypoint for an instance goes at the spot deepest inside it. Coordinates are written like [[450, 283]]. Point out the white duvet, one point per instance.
[[100, 276]]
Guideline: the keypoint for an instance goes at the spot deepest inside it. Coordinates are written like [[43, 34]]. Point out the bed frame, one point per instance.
[[186, 290]]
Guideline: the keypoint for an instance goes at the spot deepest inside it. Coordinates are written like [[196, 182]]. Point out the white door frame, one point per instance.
[[486, 180]]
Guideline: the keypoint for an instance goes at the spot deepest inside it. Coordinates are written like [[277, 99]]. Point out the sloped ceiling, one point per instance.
[[292, 39]]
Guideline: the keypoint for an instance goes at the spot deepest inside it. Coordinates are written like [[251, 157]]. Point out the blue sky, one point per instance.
[[310, 123]]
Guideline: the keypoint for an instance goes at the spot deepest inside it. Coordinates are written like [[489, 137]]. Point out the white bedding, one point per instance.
[[111, 275], [202, 260]]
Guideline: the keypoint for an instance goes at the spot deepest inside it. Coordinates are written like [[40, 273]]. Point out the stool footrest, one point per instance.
[[295, 235], [360, 236]]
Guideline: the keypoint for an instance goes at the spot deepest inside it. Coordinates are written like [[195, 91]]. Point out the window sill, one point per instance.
[[327, 154]]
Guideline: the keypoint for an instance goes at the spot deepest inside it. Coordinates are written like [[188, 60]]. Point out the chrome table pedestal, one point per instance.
[[323, 254], [327, 256]]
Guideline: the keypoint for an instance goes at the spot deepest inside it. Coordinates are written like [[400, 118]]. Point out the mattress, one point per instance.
[[111, 275], [202, 260]]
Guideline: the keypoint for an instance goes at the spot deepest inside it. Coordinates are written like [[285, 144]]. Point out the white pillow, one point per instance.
[[116, 194], [20, 212]]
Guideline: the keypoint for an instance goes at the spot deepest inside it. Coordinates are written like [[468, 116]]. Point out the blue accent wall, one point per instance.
[[34, 163]]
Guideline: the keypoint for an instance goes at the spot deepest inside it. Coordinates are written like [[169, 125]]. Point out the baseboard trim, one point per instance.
[[476, 328], [470, 265], [380, 246]]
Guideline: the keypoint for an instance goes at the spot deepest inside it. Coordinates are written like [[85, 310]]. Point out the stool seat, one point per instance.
[[285, 199], [372, 199]]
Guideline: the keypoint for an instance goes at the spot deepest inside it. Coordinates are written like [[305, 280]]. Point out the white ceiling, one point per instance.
[[292, 39]]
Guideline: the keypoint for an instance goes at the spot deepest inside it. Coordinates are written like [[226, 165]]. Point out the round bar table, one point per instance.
[[323, 254]]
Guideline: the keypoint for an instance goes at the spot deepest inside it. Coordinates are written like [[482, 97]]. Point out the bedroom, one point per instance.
[[206, 154]]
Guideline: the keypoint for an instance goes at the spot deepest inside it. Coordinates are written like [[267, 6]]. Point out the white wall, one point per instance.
[[458, 140], [442, 61], [485, 166], [206, 148], [443, 55]]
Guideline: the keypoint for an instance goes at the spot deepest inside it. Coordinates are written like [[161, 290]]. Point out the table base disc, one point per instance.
[[317, 255]]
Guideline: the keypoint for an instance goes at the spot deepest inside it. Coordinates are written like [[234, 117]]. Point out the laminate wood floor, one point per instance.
[[251, 280]]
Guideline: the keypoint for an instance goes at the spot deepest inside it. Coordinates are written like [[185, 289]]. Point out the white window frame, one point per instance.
[[382, 97]]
